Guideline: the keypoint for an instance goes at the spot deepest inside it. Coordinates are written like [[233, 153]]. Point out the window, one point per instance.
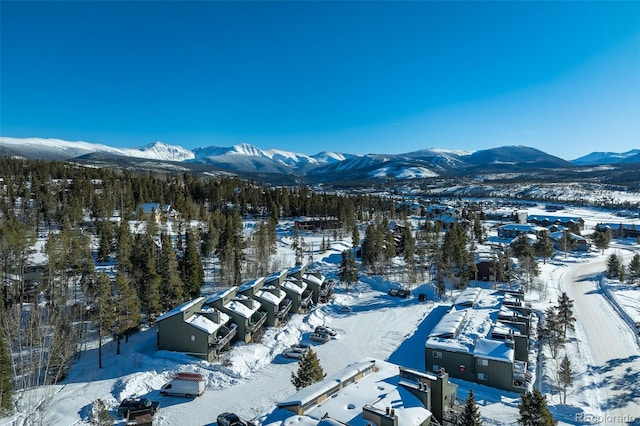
[[437, 354], [483, 362], [193, 338], [482, 376], [435, 368]]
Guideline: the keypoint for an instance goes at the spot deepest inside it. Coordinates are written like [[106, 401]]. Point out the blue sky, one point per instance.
[[356, 77]]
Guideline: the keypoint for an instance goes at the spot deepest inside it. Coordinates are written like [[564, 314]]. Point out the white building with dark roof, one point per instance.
[[369, 392]]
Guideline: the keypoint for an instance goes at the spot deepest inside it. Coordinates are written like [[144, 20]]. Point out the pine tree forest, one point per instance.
[[111, 267]]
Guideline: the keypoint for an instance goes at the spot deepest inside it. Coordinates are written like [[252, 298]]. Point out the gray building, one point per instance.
[[195, 329], [496, 356]]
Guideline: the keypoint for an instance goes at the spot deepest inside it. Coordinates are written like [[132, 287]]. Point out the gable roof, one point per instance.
[[180, 308]]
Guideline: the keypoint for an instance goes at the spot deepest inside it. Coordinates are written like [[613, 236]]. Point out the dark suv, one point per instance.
[[138, 406], [229, 419]]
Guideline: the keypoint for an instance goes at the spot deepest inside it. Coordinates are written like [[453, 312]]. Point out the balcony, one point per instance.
[[221, 342], [284, 309], [520, 375], [306, 299], [256, 322]]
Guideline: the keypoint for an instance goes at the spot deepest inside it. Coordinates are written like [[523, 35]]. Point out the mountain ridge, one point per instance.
[[326, 166]]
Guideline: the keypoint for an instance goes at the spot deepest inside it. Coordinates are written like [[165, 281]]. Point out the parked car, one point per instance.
[[303, 345], [294, 352], [138, 405], [398, 292], [320, 337], [185, 384], [324, 329], [229, 419]]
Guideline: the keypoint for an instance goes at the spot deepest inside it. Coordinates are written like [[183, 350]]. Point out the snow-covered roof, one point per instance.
[[468, 297], [559, 235], [220, 295], [497, 350], [180, 308], [203, 323], [451, 345], [378, 390], [309, 393], [561, 219], [450, 324], [149, 207], [253, 283], [297, 287], [272, 295], [505, 329], [224, 318], [275, 275], [241, 309], [522, 227], [627, 226], [313, 278]]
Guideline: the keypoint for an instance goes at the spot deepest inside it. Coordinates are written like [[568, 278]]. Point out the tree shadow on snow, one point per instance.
[[626, 385]]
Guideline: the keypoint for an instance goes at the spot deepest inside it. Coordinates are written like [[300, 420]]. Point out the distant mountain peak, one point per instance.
[[161, 151], [326, 166], [600, 158]]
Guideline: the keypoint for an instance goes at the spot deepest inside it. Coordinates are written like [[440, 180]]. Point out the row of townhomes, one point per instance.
[[483, 338], [532, 225], [207, 326], [370, 392]]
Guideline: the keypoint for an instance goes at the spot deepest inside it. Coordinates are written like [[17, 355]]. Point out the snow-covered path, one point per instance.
[[610, 343]]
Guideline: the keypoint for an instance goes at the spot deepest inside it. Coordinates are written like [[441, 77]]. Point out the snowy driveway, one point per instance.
[[610, 344]]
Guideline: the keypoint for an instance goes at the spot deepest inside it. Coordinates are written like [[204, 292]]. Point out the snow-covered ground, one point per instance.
[[252, 377]]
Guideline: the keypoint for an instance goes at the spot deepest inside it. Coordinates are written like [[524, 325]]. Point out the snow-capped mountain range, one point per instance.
[[594, 158], [324, 166]]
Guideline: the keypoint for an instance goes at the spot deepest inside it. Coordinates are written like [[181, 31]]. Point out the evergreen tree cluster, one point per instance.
[[309, 371], [557, 320], [533, 410]]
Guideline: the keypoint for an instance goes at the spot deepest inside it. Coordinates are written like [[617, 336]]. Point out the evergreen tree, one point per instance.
[[565, 313], [478, 229], [355, 236], [127, 309], [191, 267], [565, 377], [470, 415], [567, 242], [309, 371], [551, 331], [521, 248], [348, 272], [634, 269], [389, 245], [372, 249], [261, 249], [171, 288], [601, 240], [104, 230], [105, 311], [613, 266], [296, 246], [533, 410], [543, 246], [100, 414], [6, 388], [124, 248]]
